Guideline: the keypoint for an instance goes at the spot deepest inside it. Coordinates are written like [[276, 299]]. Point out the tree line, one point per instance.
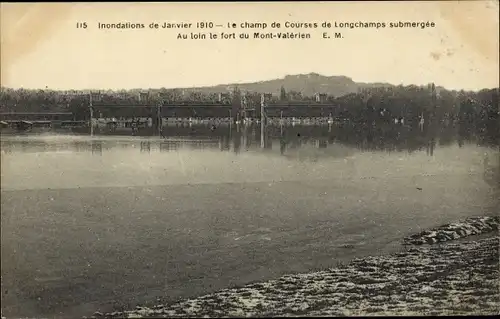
[[412, 102]]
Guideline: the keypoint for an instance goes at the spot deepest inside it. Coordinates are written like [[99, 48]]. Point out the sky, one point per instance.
[[41, 47]]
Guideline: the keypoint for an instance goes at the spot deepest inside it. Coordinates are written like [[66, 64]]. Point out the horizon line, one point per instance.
[[249, 83]]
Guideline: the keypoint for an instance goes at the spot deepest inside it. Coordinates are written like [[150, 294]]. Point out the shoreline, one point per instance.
[[469, 227], [415, 281]]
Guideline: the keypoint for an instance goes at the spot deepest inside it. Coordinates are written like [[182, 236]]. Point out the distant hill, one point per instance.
[[307, 84]]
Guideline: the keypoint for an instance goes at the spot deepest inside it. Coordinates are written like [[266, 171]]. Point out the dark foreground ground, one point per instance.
[[459, 278]]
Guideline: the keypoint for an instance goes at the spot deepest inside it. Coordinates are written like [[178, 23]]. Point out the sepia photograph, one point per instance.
[[249, 159]]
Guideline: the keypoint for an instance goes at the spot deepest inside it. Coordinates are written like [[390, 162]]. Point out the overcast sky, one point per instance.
[[41, 46]]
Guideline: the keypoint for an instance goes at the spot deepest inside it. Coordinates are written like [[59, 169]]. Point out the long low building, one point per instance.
[[36, 116]]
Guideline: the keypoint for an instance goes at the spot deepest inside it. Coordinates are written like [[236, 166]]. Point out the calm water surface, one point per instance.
[[110, 221]]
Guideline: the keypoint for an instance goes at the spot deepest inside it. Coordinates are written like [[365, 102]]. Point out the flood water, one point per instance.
[[111, 221]]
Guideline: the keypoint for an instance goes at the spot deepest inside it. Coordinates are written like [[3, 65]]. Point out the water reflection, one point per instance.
[[96, 147], [395, 138], [300, 143], [146, 147], [388, 138]]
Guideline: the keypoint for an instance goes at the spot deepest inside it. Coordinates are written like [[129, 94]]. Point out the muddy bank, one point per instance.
[[459, 278], [471, 226]]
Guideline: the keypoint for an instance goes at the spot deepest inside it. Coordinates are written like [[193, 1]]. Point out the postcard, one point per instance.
[[249, 159]]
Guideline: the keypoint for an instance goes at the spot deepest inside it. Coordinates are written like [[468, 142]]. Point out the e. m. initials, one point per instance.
[[337, 35]]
